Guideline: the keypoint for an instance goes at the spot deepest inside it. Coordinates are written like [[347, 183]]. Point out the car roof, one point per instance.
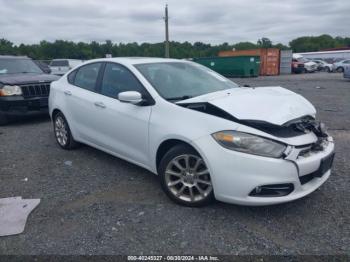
[[13, 57], [136, 60]]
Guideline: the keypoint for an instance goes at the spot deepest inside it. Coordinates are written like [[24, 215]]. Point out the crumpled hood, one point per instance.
[[29, 78], [275, 105]]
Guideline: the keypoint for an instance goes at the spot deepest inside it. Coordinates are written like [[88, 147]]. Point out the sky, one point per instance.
[[209, 21]]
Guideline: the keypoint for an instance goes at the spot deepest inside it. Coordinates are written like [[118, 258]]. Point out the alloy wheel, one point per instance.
[[188, 179], [61, 131]]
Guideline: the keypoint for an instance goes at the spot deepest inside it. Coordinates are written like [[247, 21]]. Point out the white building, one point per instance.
[[331, 55]]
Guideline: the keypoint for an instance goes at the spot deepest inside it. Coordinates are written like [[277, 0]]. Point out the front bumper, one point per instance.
[[20, 105], [235, 175], [298, 70]]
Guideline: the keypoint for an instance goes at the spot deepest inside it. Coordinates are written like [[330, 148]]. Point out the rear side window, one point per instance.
[[59, 63], [71, 77], [118, 79], [86, 76]]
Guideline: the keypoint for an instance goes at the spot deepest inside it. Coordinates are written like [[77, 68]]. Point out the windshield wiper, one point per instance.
[[179, 98]]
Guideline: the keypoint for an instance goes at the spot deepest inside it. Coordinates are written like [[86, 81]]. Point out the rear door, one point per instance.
[[80, 101], [122, 127]]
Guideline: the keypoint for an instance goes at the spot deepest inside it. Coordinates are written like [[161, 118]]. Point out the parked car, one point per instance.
[[339, 66], [24, 87], [62, 66], [323, 66], [297, 67], [347, 71], [204, 135], [309, 66]]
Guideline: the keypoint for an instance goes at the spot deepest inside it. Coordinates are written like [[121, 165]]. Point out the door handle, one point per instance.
[[100, 104], [68, 93]]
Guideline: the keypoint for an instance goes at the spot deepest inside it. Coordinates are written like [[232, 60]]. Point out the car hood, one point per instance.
[[274, 105], [27, 78], [310, 63]]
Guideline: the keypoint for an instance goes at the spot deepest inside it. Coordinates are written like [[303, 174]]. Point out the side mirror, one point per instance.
[[131, 97]]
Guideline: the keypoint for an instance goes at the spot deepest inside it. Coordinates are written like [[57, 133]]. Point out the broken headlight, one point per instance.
[[250, 144], [8, 90]]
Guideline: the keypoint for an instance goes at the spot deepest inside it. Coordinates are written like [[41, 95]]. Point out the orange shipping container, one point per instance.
[[269, 59]]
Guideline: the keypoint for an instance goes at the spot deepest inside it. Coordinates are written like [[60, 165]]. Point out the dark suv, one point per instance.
[[24, 87]]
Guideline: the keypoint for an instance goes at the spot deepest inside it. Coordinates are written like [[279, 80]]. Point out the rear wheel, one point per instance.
[[185, 177], [62, 131]]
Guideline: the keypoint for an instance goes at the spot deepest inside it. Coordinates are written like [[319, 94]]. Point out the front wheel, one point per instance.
[[185, 177], [340, 69], [62, 131]]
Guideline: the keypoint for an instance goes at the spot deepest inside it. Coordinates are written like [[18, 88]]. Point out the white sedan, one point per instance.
[[205, 136]]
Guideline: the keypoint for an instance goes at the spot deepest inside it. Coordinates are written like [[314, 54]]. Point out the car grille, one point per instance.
[[32, 90]]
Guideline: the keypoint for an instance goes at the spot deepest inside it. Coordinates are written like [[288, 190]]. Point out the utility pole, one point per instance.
[[166, 19]]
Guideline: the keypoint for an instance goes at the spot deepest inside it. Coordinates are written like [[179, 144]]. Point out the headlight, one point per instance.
[[7, 90], [250, 144]]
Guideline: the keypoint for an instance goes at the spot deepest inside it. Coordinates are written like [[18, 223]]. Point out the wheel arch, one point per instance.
[[57, 110], [167, 144]]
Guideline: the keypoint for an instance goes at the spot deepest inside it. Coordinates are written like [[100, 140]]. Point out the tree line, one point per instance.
[[67, 49]]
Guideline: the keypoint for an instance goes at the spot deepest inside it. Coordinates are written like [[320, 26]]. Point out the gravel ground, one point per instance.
[[94, 203]]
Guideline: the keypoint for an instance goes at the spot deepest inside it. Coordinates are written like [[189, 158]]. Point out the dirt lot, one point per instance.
[[93, 203]]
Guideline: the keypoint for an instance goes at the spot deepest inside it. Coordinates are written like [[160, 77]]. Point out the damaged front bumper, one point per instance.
[[255, 180]]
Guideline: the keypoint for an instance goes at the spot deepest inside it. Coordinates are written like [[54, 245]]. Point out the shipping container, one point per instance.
[[238, 66], [269, 58], [286, 62]]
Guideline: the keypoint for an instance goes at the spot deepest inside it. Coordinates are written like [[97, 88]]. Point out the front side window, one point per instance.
[[18, 66], [117, 79], [179, 80], [86, 76]]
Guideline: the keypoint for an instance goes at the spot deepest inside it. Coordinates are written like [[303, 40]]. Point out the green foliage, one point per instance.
[[67, 49], [264, 42], [317, 43]]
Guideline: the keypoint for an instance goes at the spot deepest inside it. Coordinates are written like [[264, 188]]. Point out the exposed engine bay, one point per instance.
[[291, 128]]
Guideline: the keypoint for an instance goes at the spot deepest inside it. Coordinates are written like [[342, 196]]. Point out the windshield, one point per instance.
[[179, 80], [303, 60], [16, 66]]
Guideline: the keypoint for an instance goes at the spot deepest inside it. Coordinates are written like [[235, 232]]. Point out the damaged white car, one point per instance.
[[205, 136]]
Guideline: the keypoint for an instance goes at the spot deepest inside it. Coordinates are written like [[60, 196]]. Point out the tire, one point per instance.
[[3, 119], [328, 70], [62, 132], [340, 69], [189, 185]]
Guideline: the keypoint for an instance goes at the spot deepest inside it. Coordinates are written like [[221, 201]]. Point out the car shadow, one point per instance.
[[27, 119]]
